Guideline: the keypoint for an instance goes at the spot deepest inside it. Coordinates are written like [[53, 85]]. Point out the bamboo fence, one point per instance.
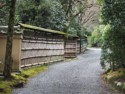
[[41, 47], [35, 46]]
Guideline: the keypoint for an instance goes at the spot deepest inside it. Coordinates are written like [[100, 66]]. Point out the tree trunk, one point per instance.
[[8, 56], [80, 45], [113, 66]]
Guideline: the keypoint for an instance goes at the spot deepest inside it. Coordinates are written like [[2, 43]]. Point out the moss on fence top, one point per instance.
[[41, 29], [19, 30]]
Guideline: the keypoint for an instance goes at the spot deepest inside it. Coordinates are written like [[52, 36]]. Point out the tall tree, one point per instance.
[[113, 14], [8, 57]]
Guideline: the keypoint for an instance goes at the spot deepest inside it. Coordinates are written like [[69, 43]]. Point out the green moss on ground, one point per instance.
[[116, 79], [33, 71], [18, 80], [5, 87]]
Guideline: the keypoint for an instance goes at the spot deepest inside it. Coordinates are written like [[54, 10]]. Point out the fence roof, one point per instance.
[[41, 29], [17, 30]]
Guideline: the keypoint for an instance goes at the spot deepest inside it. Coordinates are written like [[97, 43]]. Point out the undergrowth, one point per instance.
[[19, 79], [116, 79]]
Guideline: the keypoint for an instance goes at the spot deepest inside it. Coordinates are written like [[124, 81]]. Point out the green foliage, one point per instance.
[[105, 56], [4, 12], [43, 13], [113, 13], [51, 14], [99, 1], [76, 29], [95, 40]]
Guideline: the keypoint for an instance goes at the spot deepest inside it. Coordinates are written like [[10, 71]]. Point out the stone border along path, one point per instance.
[[80, 76]]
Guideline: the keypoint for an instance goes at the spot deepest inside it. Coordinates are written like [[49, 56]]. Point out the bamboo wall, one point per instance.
[[41, 49], [71, 48], [35, 46]]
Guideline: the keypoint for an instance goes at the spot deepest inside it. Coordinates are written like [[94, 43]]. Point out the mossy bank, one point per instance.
[[19, 79], [116, 79]]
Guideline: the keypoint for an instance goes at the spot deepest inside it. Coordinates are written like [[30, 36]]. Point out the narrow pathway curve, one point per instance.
[[80, 76]]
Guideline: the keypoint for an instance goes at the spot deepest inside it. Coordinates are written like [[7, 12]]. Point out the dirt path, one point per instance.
[[80, 76]]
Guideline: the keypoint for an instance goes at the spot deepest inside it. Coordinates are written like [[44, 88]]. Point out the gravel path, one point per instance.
[[80, 76]]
